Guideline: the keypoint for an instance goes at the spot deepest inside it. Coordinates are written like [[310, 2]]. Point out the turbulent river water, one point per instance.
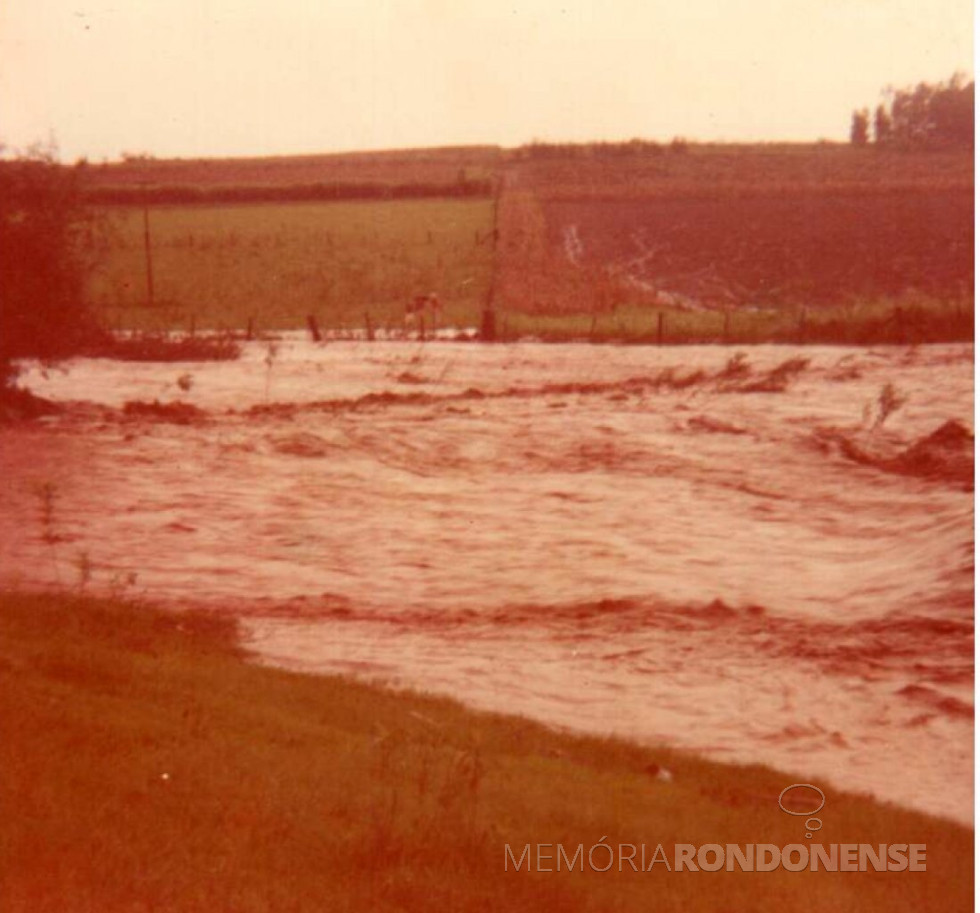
[[762, 556]]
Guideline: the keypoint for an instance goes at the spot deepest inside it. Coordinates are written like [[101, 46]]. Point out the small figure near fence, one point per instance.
[[417, 309]]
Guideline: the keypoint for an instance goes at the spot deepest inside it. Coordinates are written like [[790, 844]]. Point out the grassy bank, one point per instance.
[[909, 320], [146, 766]]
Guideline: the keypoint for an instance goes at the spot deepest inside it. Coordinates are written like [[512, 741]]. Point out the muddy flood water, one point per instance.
[[763, 556]]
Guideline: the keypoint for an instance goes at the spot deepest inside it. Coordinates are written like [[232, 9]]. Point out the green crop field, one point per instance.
[[220, 266]]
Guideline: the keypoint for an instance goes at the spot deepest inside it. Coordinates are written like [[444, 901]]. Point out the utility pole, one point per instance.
[[149, 254], [488, 326]]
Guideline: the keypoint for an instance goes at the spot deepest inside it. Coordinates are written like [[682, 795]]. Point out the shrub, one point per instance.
[[42, 264]]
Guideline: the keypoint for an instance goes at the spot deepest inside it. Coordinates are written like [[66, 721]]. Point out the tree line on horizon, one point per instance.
[[927, 116], [127, 195], [539, 149]]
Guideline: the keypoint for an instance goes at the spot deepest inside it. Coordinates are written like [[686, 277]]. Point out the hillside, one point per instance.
[[823, 241]]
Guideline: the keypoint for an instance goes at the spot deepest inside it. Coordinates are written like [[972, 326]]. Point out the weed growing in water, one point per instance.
[[889, 401], [83, 564], [120, 584], [46, 494], [446, 368], [271, 351], [737, 367]]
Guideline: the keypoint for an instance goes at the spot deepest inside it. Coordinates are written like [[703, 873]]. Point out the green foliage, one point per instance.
[[883, 125], [859, 127], [928, 116], [42, 263]]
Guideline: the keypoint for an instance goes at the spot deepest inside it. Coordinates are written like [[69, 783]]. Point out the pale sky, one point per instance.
[[263, 77]]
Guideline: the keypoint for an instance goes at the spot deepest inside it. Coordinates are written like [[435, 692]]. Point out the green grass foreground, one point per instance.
[[147, 766]]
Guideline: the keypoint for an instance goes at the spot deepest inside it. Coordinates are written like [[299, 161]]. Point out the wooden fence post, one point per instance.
[[488, 325], [314, 329]]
